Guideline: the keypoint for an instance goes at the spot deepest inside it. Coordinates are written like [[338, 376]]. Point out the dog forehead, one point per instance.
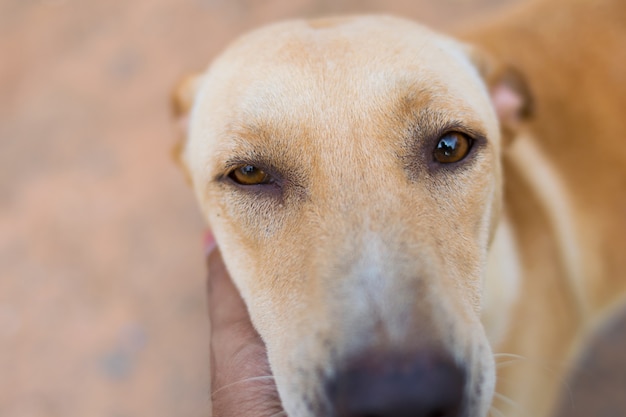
[[353, 40], [358, 58], [336, 74]]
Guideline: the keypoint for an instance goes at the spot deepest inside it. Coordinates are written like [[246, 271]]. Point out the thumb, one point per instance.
[[241, 379]]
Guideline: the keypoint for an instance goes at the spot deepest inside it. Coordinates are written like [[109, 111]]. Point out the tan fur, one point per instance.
[[181, 103], [571, 237], [367, 246]]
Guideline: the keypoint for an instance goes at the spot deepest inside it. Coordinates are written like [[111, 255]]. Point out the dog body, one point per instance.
[[367, 257], [565, 188]]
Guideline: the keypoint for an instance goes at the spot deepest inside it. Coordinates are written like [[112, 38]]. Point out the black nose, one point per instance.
[[425, 385]]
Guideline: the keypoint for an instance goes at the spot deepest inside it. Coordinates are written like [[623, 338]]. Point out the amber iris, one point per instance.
[[452, 147], [249, 175]]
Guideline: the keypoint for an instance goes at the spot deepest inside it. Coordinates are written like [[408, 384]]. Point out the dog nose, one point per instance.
[[427, 385]]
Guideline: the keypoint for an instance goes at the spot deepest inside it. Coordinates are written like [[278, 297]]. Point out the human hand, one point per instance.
[[241, 379]]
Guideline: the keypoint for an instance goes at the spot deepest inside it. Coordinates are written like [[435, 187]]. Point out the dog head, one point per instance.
[[350, 171]]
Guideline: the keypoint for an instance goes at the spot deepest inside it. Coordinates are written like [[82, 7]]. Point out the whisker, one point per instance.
[[495, 411], [548, 365], [509, 355], [561, 378], [568, 390], [252, 379], [506, 399], [504, 364], [550, 368]]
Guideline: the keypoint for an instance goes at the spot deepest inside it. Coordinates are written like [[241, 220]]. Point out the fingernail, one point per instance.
[[209, 243]]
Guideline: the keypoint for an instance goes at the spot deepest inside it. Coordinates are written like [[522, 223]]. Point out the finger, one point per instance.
[[231, 329], [235, 344], [226, 308], [240, 374]]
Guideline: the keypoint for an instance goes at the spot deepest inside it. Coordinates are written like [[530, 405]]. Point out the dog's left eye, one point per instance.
[[249, 175], [452, 147]]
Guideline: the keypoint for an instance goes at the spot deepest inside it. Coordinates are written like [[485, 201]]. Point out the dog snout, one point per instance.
[[424, 385]]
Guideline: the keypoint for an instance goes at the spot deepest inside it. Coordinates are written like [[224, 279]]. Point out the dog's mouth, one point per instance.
[[428, 384]]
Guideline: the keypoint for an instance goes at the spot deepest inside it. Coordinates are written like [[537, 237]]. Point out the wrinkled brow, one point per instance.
[[421, 113], [264, 145]]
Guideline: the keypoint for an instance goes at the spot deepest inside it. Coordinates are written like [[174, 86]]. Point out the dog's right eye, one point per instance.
[[452, 147], [249, 175]]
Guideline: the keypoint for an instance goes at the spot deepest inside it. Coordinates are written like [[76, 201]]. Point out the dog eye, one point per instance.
[[452, 147], [249, 175]]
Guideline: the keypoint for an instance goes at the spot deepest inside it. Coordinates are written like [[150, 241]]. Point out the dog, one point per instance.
[[407, 215]]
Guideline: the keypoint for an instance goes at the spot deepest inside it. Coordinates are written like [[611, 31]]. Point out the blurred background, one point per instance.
[[102, 276]]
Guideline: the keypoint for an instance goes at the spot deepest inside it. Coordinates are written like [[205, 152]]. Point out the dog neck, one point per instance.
[[506, 271], [502, 282], [552, 194]]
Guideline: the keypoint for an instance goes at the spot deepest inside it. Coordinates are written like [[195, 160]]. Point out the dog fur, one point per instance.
[[364, 246]]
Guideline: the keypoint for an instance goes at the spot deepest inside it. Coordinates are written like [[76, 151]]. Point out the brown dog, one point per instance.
[[352, 172]]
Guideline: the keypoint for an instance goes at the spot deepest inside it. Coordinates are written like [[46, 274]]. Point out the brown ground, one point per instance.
[[102, 306]]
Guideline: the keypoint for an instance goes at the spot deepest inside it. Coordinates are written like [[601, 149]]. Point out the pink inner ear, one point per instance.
[[209, 242], [507, 102]]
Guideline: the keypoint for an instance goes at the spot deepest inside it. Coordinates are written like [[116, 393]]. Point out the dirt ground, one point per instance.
[[102, 297]]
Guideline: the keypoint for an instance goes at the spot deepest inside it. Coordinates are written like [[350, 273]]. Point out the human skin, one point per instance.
[[241, 378]]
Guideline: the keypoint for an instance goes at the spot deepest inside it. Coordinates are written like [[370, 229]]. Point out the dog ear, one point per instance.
[[511, 97], [182, 100], [509, 91]]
